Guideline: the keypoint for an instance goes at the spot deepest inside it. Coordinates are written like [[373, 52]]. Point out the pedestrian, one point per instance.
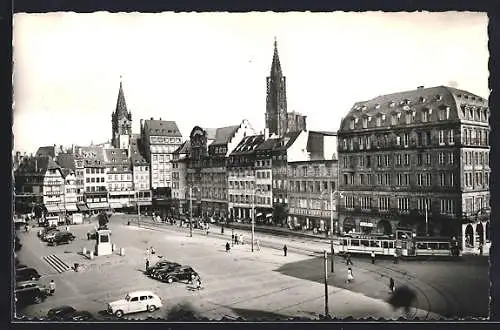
[[391, 284], [348, 260], [481, 249], [26, 227], [198, 282], [52, 287], [147, 264], [147, 252], [67, 228], [350, 277], [232, 238], [285, 249], [222, 229], [153, 251], [396, 256], [372, 255], [228, 247], [208, 229]]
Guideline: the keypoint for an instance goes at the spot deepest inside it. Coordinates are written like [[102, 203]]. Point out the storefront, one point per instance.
[[366, 228]]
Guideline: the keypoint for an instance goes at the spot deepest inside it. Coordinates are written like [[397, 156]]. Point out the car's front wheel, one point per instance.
[[119, 313], [151, 308], [170, 280], [37, 299]]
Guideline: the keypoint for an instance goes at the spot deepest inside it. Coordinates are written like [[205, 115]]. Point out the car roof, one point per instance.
[[26, 283], [139, 293]]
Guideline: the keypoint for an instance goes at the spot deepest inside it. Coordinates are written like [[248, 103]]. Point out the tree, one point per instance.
[[280, 213]]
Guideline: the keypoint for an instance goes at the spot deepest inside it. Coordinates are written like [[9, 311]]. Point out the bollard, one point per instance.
[[84, 251], [122, 252], [91, 255]]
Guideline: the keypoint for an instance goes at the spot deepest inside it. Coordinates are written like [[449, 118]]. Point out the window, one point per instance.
[[451, 158], [407, 160], [361, 160], [419, 179], [386, 160], [379, 160], [362, 179], [408, 118], [398, 179], [365, 122], [398, 160], [447, 206], [419, 159], [406, 138], [406, 180], [441, 137], [351, 123], [383, 203], [442, 180], [451, 137], [424, 203], [428, 159], [398, 140], [387, 177], [379, 179], [425, 115], [428, 179], [441, 158], [451, 179], [394, 119], [403, 204]]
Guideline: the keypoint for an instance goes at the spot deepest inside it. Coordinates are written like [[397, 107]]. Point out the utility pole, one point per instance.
[[190, 211], [325, 257], [253, 217], [426, 219], [332, 251]]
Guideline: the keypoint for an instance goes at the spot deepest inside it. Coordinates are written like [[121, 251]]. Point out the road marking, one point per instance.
[[56, 263]]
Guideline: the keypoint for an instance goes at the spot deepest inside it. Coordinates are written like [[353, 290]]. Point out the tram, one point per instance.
[[403, 244]]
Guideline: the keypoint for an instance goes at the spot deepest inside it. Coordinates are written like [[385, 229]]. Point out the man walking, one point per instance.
[[395, 257], [285, 249], [348, 260], [391, 284], [228, 247], [372, 255], [147, 264]]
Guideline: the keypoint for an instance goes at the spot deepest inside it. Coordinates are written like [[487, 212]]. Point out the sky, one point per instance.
[[209, 69]]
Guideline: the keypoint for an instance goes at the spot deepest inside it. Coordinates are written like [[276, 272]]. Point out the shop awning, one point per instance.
[[82, 207], [98, 206], [52, 208], [71, 207]]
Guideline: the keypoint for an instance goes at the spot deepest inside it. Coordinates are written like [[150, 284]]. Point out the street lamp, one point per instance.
[[191, 209], [331, 227], [138, 209], [253, 215]]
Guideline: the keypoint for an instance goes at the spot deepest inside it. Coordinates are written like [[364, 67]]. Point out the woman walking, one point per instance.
[[350, 277]]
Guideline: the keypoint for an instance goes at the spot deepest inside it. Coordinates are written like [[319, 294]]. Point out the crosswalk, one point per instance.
[[56, 263]]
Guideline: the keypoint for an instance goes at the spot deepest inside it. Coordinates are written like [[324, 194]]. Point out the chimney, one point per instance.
[[151, 118], [420, 87], [266, 133], [160, 118], [36, 165]]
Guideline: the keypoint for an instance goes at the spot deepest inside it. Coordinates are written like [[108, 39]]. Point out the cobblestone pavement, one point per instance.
[[236, 284]]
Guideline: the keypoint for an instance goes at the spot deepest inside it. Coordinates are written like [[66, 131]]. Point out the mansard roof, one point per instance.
[[224, 134], [248, 145], [161, 128], [46, 151]]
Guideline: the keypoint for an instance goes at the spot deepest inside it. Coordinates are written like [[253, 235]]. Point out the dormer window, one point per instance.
[[462, 107], [383, 117], [392, 104], [459, 96], [377, 106], [425, 115], [466, 97], [363, 108], [379, 120], [352, 123], [439, 97], [365, 122], [471, 114], [394, 119], [421, 99]]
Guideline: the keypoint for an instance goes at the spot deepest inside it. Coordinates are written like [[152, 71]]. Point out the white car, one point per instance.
[[137, 301]]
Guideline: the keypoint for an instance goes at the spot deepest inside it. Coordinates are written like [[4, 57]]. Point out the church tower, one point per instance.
[[276, 110], [121, 120]]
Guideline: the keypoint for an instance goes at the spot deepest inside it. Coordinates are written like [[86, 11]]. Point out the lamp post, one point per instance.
[[138, 209], [332, 251], [253, 216], [191, 209], [426, 219]]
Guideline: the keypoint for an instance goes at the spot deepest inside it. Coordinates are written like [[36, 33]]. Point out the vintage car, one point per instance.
[[184, 273], [137, 301]]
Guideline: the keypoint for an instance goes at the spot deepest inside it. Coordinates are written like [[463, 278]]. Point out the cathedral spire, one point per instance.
[[276, 66], [121, 105]]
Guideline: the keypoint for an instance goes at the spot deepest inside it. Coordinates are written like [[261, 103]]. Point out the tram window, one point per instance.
[[421, 246], [375, 243], [385, 244], [432, 246], [355, 242], [365, 243], [444, 246], [343, 242]]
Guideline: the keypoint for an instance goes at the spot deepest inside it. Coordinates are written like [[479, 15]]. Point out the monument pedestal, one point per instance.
[[103, 243]]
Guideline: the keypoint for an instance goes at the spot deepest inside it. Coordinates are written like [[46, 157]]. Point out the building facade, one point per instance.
[[70, 194], [94, 179], [242, 179], [141, 174], [121, 122], [311, 184], [119, 180], [408, 156], [179, 177], [161, 138]]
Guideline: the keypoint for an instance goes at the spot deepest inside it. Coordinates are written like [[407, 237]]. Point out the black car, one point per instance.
[[161, 264], [178, 274], [27, 274], [58, 313], [153, 272], [63, 237], [29, 292]]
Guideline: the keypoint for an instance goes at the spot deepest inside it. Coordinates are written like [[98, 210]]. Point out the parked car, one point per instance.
[[62, 237], [161, 264], [184, 273], [29, 292], [27, 274], [158, 272], [58, 313], [49, 234], [133, 302], [44, 230]]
